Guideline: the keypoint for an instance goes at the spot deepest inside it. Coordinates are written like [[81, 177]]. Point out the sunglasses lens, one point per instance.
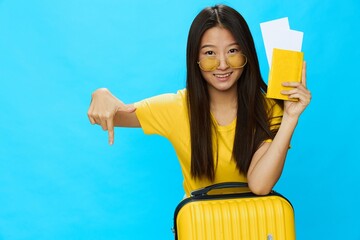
[[236, 60], [209, 63]]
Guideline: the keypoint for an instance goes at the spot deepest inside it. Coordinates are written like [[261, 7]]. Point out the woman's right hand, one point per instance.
[[103, 108]]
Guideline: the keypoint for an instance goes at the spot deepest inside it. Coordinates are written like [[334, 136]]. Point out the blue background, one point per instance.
[[59, 179]]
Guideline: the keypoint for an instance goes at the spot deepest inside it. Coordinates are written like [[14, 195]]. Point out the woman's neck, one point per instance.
[[223, 106]]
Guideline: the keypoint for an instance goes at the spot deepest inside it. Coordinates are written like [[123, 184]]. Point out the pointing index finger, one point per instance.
[[110, 125]]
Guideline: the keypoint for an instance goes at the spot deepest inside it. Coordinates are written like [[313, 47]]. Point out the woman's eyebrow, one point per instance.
[[233, 44], [213, 46], [207, 45]]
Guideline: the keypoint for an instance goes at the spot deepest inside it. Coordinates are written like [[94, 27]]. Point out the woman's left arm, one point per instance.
[[268, 161]]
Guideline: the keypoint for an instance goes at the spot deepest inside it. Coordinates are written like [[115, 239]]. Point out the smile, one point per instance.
[[225, 75]]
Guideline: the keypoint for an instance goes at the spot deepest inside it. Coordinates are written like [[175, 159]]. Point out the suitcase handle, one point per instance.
[[204, 191]]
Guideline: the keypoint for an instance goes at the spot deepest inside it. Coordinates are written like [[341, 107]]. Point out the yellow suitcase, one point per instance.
[[234, 216]]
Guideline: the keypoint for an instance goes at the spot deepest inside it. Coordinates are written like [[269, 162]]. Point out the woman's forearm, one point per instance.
[[126, 118], [268, 162]]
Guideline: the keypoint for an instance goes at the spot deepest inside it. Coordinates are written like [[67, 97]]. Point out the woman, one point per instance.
[[221, 125]]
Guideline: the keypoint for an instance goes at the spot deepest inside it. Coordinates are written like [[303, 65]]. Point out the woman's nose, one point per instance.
[[223, 64]]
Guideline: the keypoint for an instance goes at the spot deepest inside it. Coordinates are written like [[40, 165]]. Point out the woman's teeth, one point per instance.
[[222, 75]]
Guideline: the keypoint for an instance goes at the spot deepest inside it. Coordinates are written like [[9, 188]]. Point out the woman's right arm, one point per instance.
[[108, 111]]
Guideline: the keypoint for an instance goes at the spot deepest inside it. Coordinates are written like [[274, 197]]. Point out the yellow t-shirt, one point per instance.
[[167, 115]]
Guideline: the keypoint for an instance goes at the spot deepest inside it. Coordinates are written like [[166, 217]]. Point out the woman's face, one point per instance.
[[218, 49]]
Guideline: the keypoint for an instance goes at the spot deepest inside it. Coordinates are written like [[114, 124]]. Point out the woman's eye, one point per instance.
[[210, 53], [233, 50]]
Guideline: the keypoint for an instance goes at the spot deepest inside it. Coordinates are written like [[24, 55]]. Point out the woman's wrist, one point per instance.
[[289, 120]]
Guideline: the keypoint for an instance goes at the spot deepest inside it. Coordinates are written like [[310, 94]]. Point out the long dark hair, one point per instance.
[[252, 124]]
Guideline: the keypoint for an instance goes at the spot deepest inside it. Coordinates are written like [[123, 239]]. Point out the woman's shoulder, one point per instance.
[[165, 100], [274, 107], [180, 97], [273, 104], [182, 93]]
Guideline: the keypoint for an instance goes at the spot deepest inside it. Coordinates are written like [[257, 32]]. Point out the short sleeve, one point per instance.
[[159, 114]]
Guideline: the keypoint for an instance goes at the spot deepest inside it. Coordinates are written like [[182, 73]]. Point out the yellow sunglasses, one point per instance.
[[210, 63]]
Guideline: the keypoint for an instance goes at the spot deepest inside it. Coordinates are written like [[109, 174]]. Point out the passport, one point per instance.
[[286, 66]]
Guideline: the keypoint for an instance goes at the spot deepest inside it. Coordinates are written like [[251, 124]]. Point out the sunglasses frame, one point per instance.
[[218, 63]]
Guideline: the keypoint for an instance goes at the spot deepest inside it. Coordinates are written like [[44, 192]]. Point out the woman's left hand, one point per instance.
[[300, 93]]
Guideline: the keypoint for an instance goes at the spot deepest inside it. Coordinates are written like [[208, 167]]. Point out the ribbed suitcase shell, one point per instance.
[[242, 216]]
